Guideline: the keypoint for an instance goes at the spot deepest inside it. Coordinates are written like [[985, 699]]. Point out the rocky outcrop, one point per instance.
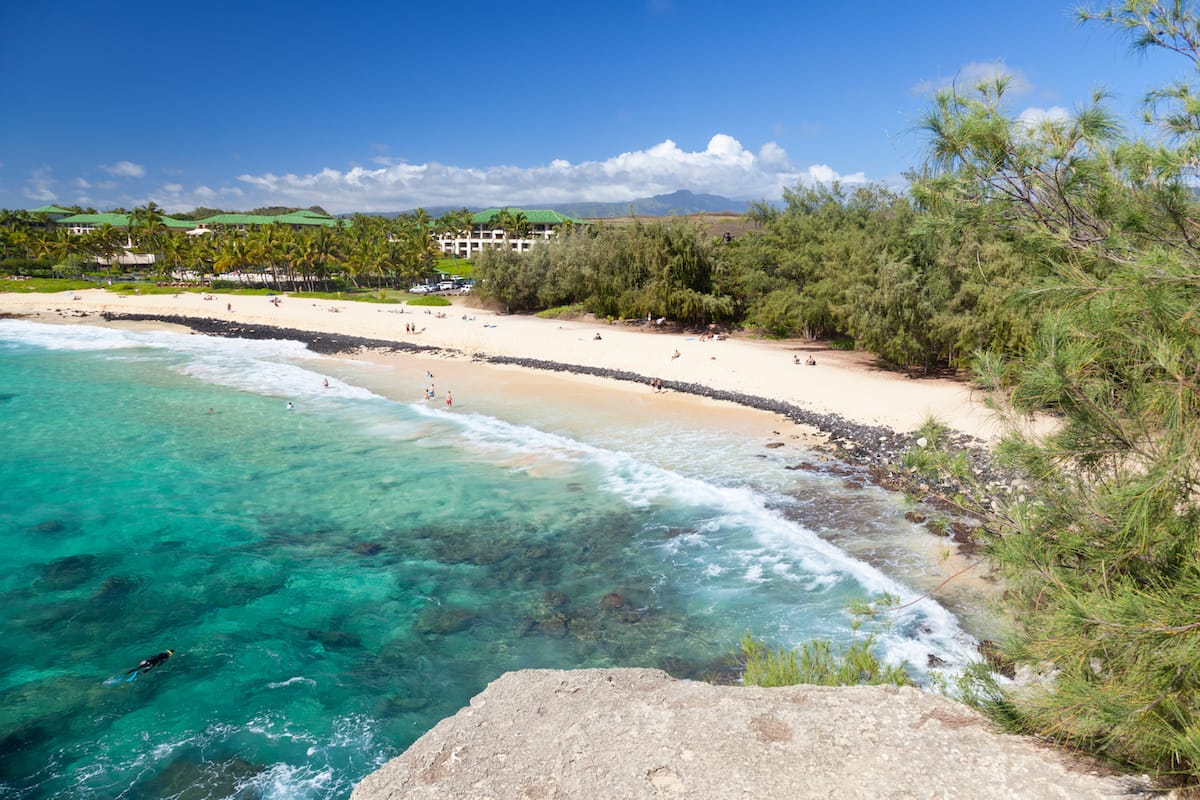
[[638, 733]]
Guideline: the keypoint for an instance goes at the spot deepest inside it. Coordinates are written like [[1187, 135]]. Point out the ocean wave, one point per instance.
[[272, 367], [733, 530], [291, 681]]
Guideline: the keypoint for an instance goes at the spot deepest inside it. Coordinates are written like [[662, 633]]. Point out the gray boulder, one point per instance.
[[638, 733]]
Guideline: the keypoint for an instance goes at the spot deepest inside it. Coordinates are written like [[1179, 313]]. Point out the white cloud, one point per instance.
[[974, 73], [173, 188], [39, 186], [124, 169], [1032, 117], [724, 167]]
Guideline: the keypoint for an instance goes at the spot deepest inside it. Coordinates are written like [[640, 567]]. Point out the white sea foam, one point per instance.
[[782, 550], [292, 782], [64, 337], [291, 681], [274, 367]]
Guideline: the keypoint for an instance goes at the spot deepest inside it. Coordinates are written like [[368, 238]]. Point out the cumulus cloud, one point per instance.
[[724, 167], [1032, 117], [974, 73], [124, 169], [39, 186]]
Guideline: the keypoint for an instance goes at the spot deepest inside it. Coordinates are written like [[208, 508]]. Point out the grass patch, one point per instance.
[[573, 311], [428, 300], [44, 285], [450, 266]]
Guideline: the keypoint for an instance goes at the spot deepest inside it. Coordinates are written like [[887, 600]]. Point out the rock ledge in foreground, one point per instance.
[[638, 733]]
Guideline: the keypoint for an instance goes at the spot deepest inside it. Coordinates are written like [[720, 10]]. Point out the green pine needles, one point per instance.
[[1101, 557], [818, 662]]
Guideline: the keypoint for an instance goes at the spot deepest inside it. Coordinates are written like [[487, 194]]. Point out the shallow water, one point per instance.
[[338, 577]]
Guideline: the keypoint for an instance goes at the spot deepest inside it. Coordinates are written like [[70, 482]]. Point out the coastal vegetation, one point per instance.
[[361, 252], [1102, 554], [818, 662]]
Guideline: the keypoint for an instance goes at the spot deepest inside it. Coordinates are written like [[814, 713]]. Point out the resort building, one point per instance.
[[531, 226], [244, 222], [86, 223], [52, 213], [80, 224]]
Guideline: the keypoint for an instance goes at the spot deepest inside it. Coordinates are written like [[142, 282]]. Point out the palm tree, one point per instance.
[[520, 225], [503, 220], [176, 251], [146, 227], [233, 254]]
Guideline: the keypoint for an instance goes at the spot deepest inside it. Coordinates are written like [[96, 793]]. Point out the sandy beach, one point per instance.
[[842, 383]]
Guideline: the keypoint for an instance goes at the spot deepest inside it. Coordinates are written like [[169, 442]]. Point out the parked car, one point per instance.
[[422, 288], [445, 286]]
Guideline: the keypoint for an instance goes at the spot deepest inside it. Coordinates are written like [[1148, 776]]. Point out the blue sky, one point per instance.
[[380, 106]]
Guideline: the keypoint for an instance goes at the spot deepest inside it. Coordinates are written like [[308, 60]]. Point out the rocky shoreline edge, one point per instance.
[[865, 452], [855, 443]]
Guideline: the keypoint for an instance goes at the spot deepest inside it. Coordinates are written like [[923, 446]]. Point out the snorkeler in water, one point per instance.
[[149, 664]]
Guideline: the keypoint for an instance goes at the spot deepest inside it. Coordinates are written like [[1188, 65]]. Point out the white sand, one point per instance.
[[841, 383]]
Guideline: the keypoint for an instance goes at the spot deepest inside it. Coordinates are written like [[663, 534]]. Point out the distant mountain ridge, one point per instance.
[[679, 203]]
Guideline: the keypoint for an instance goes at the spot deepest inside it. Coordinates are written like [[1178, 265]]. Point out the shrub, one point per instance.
[[817, 662]]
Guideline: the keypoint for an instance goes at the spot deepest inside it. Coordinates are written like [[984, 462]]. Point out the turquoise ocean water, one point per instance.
[[337, 578]]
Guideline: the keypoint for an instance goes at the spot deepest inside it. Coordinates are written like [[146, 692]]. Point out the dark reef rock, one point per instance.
[[335, 639], [874, 447], [442, 621], [69, 572]]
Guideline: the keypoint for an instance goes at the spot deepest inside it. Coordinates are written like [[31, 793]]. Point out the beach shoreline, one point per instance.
[[856, 404], [850, 451]]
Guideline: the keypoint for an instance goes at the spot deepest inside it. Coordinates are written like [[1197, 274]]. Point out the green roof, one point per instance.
[[534, 216], [120, 221], [116, 220], [50, 210], [294, 218], [305, 218]]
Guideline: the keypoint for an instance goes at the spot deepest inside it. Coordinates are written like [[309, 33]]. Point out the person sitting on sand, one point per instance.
[[597, 336], [812, 362], [675, 355], [149, 664]]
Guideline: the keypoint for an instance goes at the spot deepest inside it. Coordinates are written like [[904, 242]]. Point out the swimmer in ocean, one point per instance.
[[149, 664]]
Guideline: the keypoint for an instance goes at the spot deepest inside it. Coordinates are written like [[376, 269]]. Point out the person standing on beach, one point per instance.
[[449, 399]]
